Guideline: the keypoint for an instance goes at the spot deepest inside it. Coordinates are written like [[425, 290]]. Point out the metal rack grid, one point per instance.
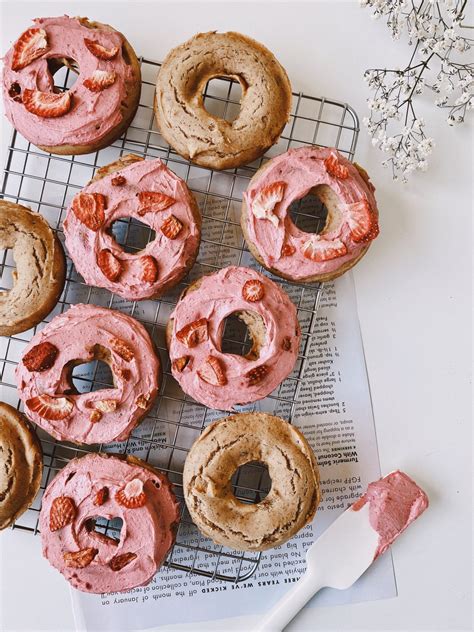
[[48, 182]]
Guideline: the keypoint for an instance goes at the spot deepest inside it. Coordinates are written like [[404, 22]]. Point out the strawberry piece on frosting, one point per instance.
[[266, 200], [319, 249], [46, 104], [99, 51], [32, 44], [100, 80]]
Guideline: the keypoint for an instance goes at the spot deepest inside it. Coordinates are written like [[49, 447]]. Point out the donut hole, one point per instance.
[[316, 211], [251, 482], [243, 333], [110, 529], [131, 234], [91, 376], [7, 270], [222, 97], [64, 71]]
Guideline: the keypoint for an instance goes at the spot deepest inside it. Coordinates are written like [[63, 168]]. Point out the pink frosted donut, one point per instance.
[[97, 108], [149, 192], [351, 224], [107, 486], [82, 334], [194, 337]]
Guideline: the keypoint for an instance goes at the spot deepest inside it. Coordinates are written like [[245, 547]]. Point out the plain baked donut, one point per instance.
[[96, 110], [196, 326], [108, 486], [21, 464], [208, 140], [40, 268], [151, 193], [351, 223], [82, 334], [221, 449]]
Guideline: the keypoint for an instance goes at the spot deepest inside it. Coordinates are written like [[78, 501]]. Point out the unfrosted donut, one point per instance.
[[221, 449], [194, 337], [351, 224], [96, 109], [40, 268], [151, 193], [82, 334], [208, 140], [108, 486]]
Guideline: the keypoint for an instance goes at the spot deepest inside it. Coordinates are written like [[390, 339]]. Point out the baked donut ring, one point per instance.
[[82, 334], [108, 486], [351, 223], [221, 449], [40, 268], [21, 464], [147, 191], [194, 338], [96, 110], [208, 140]]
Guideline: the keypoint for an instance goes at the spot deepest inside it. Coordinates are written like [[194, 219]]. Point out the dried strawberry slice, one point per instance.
[[212, 372], [110, 266], [99, 80], [335, 168], [288, 250], [101, 496], [63, 511], [95, 416], [149, 267], [80, 559], [266, 200], [100, 51], [194, 333], [132, 495], [256, 375], [105, 405], [122, 349], [362, 222], [89, 209], [119, 561], [181, 363], [253, 290], [51, 408], [14, 92], [41, 357], [29, 46], [47, 104], [118, 181], [171, 227], [153, 201], [319, 249], [142, 401]]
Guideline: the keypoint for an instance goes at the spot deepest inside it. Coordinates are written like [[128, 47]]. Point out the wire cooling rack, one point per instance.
[[47, 184]]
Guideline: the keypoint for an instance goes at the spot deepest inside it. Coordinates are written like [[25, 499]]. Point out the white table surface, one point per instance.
[[414, 306]]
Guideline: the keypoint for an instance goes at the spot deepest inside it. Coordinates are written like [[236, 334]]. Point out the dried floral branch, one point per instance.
[[437, 32]]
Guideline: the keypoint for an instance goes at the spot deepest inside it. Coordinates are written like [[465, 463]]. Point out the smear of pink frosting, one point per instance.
[[395, 502], [147, 531], [171, 255], [75, 333], [218, 296], [93, 114], [302, 169]]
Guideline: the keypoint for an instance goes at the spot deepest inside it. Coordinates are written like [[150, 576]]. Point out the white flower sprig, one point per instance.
[[434, 28]]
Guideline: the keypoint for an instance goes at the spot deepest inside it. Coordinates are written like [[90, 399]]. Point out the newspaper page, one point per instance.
[[334, 411]]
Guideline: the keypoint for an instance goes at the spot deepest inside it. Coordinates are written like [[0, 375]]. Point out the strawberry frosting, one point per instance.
[[219, 295], [293, 174], [147, 531], [395, 501], [82, 334], [173, 257], [92, 114]]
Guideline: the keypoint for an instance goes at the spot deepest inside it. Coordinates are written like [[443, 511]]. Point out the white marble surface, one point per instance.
[[414, 294]]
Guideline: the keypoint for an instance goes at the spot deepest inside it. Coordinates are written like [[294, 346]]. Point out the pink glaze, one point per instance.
[[218, 296], [93, 114], [147, 531], [172, 255], [395, 502], [75, 333], [302, 169]]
